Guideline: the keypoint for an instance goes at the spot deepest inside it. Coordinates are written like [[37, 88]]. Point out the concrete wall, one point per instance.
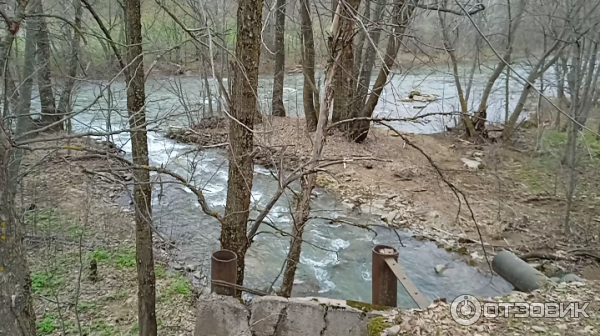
[[273, 315]]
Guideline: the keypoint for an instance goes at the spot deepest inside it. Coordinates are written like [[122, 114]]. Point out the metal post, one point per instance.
[[385, 283], [223, 267]]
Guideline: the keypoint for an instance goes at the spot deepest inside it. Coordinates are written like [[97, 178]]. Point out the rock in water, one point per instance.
[[439, 269]]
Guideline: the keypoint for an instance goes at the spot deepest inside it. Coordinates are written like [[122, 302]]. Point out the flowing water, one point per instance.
[[336, 258]]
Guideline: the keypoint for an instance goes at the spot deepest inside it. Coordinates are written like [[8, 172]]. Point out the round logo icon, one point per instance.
[[465, 310]]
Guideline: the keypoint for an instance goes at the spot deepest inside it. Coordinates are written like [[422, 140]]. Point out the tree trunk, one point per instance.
[[450, 50], [362, 37], [277, 103], [244, 110], [136, 98], [560, 88], [64, 103], [401, 17], [12, 93], [481, 114], [367, 67], [534, 73], [49, 115], [345, 78], [16, 303], [341, 37], [310, 95]]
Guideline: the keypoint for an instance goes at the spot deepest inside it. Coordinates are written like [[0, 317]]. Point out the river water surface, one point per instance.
[[336, 260]]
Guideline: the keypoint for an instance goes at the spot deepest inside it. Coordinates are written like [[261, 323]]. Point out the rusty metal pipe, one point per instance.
[[385, 283], [223, 267]]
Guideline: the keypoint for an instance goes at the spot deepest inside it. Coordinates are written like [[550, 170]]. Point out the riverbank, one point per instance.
[[515, 193], [75, 216]]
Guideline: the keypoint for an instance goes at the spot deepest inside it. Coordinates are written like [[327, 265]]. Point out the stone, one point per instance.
[[389, 217], [176, 266], [221, 316], [472, 164], [199, 275], [538, 329], [393, 331], [571, 278], [439, 269], [190, 268], [378, 203], [369, 209]]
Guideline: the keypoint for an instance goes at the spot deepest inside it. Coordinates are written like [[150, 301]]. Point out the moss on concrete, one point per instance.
[[366, 307], [376, 326]]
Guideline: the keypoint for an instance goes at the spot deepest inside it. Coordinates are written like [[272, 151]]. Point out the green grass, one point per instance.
[[125, 258], [100, 255], [538, 171], [120, 295], [177, 286], [376, 326], [86, 306], [103, 329], [135, 329], [160, 271], [47, 325], [49, 221], [44, 282], [554, 143], [180, 286]]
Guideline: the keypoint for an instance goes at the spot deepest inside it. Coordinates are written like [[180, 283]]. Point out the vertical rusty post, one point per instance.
[[223, 267], [385, 283]]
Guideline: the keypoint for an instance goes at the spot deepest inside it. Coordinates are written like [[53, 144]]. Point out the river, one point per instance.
[[336, 261]]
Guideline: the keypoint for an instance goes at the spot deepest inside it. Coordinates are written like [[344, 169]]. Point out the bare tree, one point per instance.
[[310, 91], [16, 302], [402, 14], [462, 97], [64, 102], [574, 18], [345, 78], [366, 68], [582, 79], [560, 70], [241, 138], [277, 102], [342, 36], [48, 111], [513, 25], [136, 101]]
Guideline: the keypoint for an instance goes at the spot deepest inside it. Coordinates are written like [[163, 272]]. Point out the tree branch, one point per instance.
[[476, 9]]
